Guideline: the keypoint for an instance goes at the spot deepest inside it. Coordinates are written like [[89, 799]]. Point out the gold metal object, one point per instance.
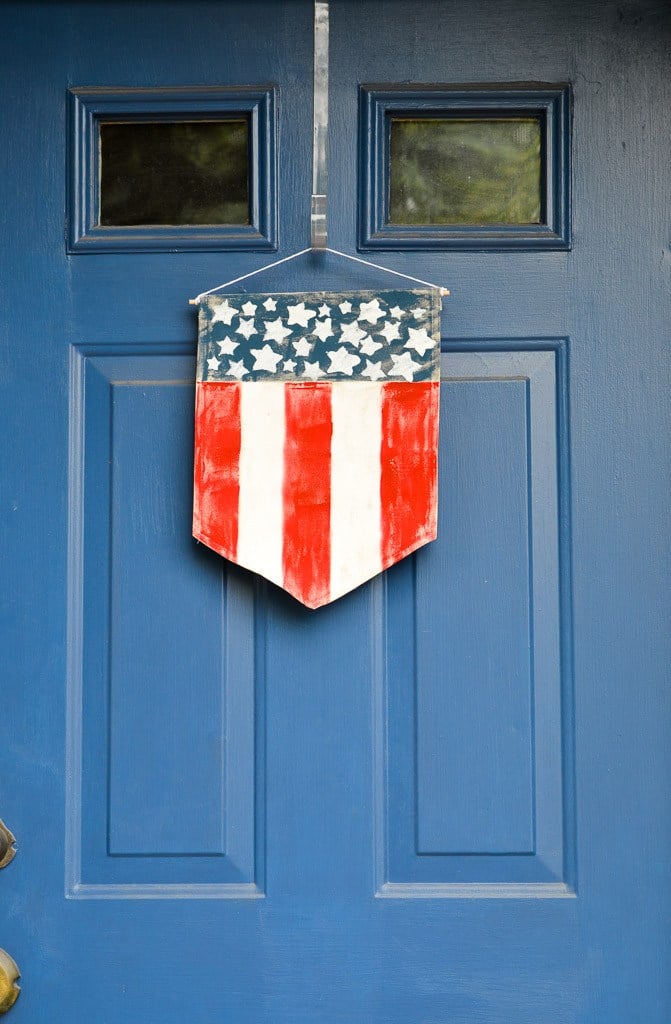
[[9, 975], [7, 848]]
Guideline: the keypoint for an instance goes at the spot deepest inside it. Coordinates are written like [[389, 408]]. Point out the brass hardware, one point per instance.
[[7, 848], [9, 975]]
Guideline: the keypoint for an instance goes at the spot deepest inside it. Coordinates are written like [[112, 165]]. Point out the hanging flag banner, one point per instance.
[[316, 437]]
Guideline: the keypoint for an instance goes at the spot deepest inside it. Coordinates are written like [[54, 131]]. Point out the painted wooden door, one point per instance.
[[443, 798]]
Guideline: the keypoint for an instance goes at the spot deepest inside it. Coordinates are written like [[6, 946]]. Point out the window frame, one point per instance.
[[380, 104], [88, 108]]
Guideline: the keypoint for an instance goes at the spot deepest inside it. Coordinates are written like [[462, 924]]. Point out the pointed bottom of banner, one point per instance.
[[312, 600]]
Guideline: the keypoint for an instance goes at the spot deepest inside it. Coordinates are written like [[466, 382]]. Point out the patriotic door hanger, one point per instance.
[[317, 434]]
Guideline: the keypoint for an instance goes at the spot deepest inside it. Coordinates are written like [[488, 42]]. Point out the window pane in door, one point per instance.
[[465, 171], [171, 173]]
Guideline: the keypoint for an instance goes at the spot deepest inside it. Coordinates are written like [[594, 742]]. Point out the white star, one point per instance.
[[238, 370], [289, 365], [213, 363], [368, 346], [249, 309], [404, 366], [270, 305], [419, 340], [351, 334], [224, 313], [345, 307], [313, 370], [418, 312], [298, 314], [373, 371], [302, 347], [370, 311], [227, 347], [324, 310], [275, 331], [396, 312], [390, 331], [265, 359], [323, 329], [343, 361], [246, 328]]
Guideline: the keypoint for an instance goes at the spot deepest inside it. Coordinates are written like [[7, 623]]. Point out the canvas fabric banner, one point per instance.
[[316, 434]]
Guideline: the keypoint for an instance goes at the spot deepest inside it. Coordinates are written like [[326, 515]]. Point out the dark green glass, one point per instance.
[[165, 173], [473, 171]]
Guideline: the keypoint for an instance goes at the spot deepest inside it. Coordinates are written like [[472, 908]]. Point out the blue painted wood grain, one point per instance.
[[348, 921], [173, 715]]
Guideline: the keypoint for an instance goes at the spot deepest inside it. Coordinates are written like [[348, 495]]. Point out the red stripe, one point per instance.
[[306, 555], [409, 458], [216, 466]]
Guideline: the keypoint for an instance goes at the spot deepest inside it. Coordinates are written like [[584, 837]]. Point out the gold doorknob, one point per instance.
[[9, 975], [7, 845]]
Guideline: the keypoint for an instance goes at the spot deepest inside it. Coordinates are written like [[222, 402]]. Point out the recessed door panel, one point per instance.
[[478, 721], [167, 795]]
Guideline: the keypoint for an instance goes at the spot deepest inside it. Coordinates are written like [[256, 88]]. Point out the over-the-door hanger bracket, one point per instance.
[[320, 107], [318, 217]]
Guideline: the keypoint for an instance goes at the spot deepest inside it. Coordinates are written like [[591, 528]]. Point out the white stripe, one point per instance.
[[355, 484], [260, 512]]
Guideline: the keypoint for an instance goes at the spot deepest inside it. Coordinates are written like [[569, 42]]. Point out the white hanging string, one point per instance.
[[378, 266], [335, 252], [243, 277]]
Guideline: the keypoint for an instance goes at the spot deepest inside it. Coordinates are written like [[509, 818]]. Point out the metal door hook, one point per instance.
[[320, 102]]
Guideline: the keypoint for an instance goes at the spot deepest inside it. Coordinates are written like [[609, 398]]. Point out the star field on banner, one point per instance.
[[316, 434]]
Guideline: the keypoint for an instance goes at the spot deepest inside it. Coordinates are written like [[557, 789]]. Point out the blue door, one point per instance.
[[444, 797]]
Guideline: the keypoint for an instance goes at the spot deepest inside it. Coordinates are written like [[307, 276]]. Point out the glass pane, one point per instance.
[[186, 172], [469, 171]]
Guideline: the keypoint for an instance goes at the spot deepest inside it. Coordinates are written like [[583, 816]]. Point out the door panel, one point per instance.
[[441, 798], [164, 731], [478, 712]]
